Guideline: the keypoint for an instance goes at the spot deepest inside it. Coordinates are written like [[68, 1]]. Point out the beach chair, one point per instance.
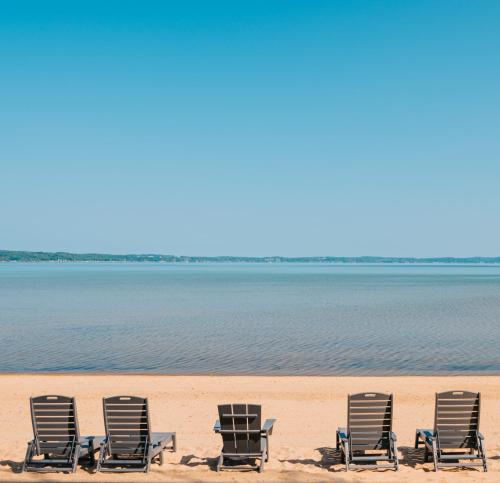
[[455, 440], [244, 440], [129, 444], [57, 444], [368, 439]]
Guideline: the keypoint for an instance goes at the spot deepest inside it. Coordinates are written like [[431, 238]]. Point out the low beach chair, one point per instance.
[[129, 444], [456, 435], [368, 438], [243, 438], [57, 444]]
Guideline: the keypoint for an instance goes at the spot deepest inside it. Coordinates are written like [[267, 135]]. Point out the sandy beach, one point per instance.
[[308, 410]]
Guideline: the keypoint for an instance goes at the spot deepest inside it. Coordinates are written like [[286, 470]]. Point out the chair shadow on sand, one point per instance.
[[409, 456], [329, 458], [15, 466], [193, 461], [190, 460]]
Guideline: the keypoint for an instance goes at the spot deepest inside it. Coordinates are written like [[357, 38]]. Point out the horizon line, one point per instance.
[[26, 255]]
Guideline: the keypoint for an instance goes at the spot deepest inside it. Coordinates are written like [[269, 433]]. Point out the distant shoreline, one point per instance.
[[61, 257]]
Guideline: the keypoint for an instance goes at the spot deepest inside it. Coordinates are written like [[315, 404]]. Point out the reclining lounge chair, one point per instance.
[[57, 444], [368, 438], [455, 440], [129, 444]]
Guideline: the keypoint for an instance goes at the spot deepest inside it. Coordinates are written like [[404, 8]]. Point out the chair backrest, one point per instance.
[[369, 420], [456, 420], [126, 419], [240, 427], [55, 424]]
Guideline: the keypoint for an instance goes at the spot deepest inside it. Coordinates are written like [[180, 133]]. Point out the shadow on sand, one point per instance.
[[329, 458], [15, 466]]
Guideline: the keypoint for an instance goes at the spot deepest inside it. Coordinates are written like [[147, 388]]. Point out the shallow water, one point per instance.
[[250, 318]]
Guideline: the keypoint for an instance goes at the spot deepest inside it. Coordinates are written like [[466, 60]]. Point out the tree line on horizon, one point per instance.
[[28, 256]]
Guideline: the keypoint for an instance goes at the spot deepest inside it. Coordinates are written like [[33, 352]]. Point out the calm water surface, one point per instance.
[[250, 319]]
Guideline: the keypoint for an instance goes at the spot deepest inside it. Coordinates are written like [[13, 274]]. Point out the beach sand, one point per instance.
[[308, 410]]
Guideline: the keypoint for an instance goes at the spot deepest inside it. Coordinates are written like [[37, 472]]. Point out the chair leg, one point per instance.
[[346, 455], [482, 453], [220, 462], [100, 460], [28, 457], [339, 445], [262, 460], [76, 457], [435, 456], [416, 440], [161, 458], [342, 453], [395, 456]]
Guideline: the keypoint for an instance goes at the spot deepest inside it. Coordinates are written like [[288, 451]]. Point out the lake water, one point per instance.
[[250, 318]]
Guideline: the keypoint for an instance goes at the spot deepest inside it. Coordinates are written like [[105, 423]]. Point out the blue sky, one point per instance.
[[251, 127]]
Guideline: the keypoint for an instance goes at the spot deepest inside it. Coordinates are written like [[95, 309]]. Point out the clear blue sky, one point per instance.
[[251, 128]]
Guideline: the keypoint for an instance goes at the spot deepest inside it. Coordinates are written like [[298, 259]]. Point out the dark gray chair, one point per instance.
[[129, 444], [456, 435], [57, 444], [243, 438], [368, 439]]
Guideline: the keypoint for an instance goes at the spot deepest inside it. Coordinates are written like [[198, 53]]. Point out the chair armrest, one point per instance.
[[90, 442], [480, 435], [268, 426], [426, 434], [217, 426], [342, 434], [162, 439], [393, 436]]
